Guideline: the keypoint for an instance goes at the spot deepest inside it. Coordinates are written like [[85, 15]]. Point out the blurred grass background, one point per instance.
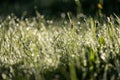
[[56, 7]]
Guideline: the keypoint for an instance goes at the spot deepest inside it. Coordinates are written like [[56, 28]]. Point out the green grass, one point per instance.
[[74, 49]]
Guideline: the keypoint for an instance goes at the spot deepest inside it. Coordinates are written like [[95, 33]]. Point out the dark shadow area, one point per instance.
[[53, 8]]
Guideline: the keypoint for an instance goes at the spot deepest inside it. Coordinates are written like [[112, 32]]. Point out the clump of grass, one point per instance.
[[39, 49]]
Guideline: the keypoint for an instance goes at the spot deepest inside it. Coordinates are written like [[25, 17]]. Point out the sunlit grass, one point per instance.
[[39, 49]]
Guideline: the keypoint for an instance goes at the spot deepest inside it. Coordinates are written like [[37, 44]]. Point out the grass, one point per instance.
[[39, 49]]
